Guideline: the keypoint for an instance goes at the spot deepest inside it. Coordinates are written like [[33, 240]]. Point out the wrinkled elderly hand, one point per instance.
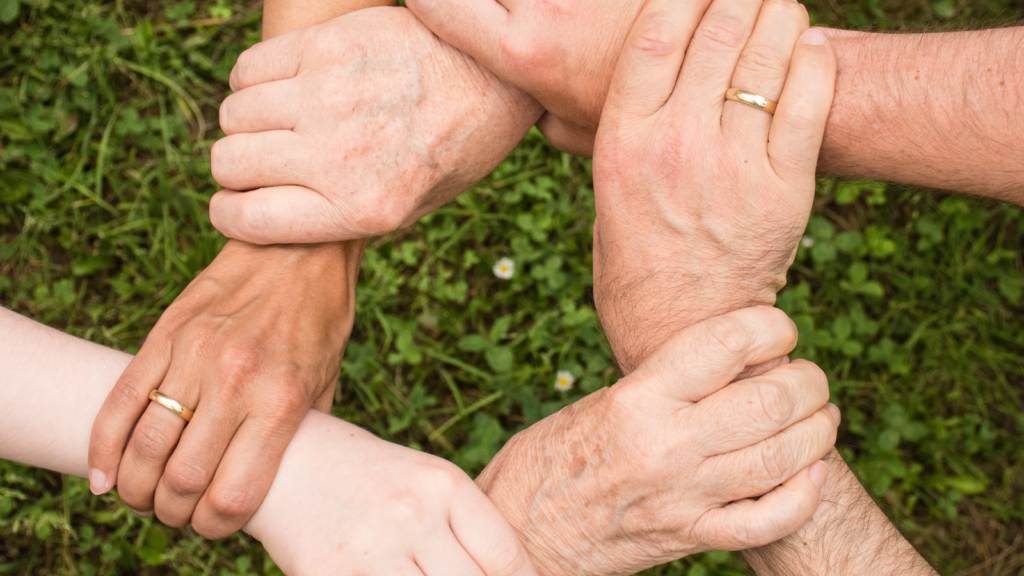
[[561, 52], [347, 502], [354, 128], [250, 345], [666, 462], [701, 201]]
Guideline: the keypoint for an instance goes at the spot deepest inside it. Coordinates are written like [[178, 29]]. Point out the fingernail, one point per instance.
[[818, 473], [813, 36], [834, 411], [142, 514], [97, 481]]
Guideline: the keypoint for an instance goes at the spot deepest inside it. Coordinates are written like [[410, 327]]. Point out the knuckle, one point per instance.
[[408, 508], [445, 477], [242, 66], [150, 443], [815, 376], [234, 502], [521, 54], [759, 58], [186, 480], [127, 394], [721, 33], [224, 118], [795, 10], [775, 460], [729, 334], [655, 36], [775, 404], [219, 166], [237, 364], [801, 120]]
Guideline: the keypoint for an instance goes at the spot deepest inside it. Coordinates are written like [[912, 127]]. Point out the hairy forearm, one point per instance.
[[848, 534], [939, 110]]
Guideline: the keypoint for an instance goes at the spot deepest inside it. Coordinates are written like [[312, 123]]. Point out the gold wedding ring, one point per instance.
[[172, 405], [751, 99]]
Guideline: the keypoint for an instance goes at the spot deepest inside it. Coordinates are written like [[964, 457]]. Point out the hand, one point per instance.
[[664, 464], [354, 128], [250, 345], [347, 502], [701, 201], [561, 52]]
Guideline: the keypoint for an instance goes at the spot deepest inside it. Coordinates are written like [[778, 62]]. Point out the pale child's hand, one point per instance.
[[347, 502]]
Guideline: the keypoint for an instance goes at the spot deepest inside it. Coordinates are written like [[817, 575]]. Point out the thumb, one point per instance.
[[779, 513], [278, 215]]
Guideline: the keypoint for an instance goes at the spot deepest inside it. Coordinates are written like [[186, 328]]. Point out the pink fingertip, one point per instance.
[[813, 37], [98, 482], [818, 474]]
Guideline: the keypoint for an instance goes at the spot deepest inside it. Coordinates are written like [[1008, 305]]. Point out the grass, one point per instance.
[[911, 300]]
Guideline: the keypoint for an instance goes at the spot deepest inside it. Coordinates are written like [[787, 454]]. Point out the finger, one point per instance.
[[762, 68], [279, 215], [755, 470], [248, 161], [246, 472], [121, 411], [152, 442], [799, 123], [648, 66], [485, 534], [712, 56], [777, 514], [476, 27], [191, 467], [749, 411], [279, 58], [705, 357], [260, 108], [566, 136], [445, 558]]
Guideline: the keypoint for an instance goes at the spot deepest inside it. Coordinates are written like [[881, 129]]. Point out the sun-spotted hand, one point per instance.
[[668, 461], [354, 128]]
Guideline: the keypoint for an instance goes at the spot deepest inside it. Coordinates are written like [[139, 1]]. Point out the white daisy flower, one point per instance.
[[504, 268], [807, 241], [564, 381]]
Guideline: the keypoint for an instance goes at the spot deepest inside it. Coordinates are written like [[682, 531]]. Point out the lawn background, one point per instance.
[[911, 300]]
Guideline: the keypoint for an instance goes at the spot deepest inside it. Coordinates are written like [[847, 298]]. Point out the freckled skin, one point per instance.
[[387, 127]]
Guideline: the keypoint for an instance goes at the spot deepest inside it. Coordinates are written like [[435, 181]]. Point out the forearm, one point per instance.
[[939, 110], [281, 16], [848, 534], [52, 386]]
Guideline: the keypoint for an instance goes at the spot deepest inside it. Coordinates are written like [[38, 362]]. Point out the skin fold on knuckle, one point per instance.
[[186, 480], [763, 60], [720, 33], [775, 404], [728, 334], [654, 38], [231, 504], [775, 461], [150, 443]]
